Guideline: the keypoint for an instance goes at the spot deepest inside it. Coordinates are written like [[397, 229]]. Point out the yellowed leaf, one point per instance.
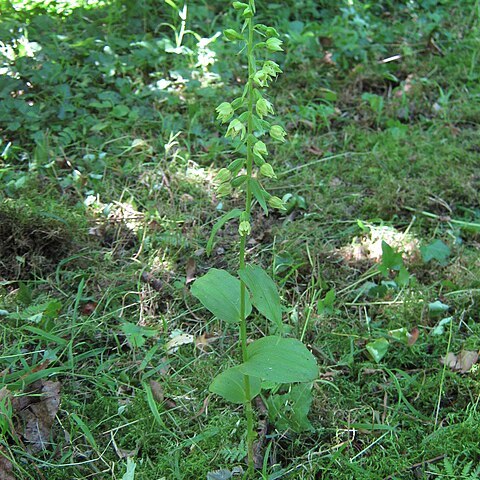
[[462, 362]]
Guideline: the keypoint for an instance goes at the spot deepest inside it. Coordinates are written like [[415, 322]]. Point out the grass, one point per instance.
[[100, 149]]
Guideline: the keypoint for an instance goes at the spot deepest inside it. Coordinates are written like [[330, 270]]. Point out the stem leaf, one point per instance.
[[230, 385], [260, 194], [265, 296], [280, 360], [235, 213], [219, 292]]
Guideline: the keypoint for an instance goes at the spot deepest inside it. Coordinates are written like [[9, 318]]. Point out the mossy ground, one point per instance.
[[119, 177]]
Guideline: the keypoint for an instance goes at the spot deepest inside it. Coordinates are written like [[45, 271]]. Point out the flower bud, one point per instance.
[[271, 32], [223, 175], [231, 34], [239, 5], [267, 171], [248, 13], [244, 228], [224, 189], [260, 149], [278, 133], [276, 202]]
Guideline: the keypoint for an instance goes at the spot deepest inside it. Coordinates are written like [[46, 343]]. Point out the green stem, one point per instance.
[[243, 241]]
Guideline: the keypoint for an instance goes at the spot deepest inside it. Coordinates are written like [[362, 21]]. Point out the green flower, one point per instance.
[[276, 202], [267, 171], [278, 133], [224, 189], [225, 112], [263, 107], [260, 149], [244, 228], [235, 128], [224, 175], [273, 44]]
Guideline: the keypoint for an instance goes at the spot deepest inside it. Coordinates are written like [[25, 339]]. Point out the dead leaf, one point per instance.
[[178, 340], [88, 308], [6, 467], [190, 270], [203, 341], [155, 283], [413, 337], [157, 391], [35, 413], [463, 362]]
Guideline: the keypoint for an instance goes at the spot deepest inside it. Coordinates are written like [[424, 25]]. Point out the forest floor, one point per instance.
[[108, 149]]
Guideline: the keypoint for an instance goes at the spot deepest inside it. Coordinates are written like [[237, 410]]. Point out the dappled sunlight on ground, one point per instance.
[[368, 246]]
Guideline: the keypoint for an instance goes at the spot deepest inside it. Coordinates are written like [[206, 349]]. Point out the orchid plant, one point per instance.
[[275, 359]]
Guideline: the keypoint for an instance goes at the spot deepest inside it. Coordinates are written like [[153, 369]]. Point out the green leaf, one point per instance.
[[136, 334], [440, 328], [378, 348], [326, 306], [437, 250], [219, 292], [230, 385], [281, 360], [290, 411], [391, 259], [400, 334], [260, 194], [130, 473], [437, 308], [264, 292], [235, 213], [403, 277]]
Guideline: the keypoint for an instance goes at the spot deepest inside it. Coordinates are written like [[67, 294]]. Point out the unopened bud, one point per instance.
[[267, 171], [244, 228], [224, 175], [224, 189], [278, 133], [276, 202], [260, 149], [231, 34]]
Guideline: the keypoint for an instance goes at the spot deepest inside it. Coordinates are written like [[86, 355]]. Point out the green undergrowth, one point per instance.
[[108, 150]]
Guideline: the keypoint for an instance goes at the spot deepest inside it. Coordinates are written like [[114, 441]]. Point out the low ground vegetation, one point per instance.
[[109, 150]]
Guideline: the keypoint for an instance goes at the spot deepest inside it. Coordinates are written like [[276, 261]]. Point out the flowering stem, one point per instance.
[[243, 240]]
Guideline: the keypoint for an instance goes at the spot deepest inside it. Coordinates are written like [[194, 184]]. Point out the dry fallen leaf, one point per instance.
[[35, 413], [178, 340], [190, 270], [203, 341], [157, 391], [462, 362], [6, 467], [88, 308], [413, 336]]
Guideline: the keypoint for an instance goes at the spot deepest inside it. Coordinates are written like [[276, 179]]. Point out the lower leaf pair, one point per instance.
[[271, 359]]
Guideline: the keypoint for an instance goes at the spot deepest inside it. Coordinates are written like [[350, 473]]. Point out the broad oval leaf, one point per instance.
[[378, 348], [264, 292], [281, 360], [230, 385], [219, 292]]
